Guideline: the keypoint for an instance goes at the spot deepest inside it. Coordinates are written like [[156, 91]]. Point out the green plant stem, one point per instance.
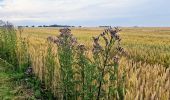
[[108, 48]]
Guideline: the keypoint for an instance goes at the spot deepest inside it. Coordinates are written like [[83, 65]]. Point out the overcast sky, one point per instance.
[[87, 12]]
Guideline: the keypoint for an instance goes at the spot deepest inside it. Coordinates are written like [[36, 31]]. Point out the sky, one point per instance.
[[86, 12]]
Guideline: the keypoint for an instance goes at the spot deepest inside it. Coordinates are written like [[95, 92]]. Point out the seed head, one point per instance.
[[52, 39], [81, 48], [103, 33], [120, 49], [73, 40], [97, 48], [29, 71], [95, 40], [115, 59], [106, 31], [114, 34], [106, 40], [66, 32]]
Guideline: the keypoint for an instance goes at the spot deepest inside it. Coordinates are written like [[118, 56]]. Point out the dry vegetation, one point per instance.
[[147, 67], [151, 45]]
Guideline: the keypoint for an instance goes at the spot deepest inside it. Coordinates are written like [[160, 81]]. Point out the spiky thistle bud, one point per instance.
[[115, 59]]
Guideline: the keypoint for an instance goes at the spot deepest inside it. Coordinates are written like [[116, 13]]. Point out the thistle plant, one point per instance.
[[84, 78], [106, 59], [66, 46], [86, 70]]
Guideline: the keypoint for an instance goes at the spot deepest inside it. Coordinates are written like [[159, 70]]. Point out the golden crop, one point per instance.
[[147, 67]]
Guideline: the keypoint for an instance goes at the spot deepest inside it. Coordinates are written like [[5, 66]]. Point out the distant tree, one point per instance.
[[105, 26], [33, 26], [136, 26], [1, 23], [40, 26], [20, 26]]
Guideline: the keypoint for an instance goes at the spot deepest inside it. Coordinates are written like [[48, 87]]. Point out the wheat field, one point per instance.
[[151, 45], [147, 67]]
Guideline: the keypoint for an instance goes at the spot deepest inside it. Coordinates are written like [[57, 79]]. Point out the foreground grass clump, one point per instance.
[[17, 81], [20, 86]]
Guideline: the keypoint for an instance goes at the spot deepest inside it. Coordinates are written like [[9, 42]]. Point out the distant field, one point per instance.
[[151, 45]]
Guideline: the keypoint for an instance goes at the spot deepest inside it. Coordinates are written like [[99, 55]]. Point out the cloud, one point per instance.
[[63, 11], [1, 4]]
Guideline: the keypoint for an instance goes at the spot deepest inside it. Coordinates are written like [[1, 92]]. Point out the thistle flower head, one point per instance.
[[73, 40], [120, 49], [65, 37], [114, 33], [95, 40], [50, 38], [81, 48], [97, 48], [106, 31], [106, 40], [103, 33], [53, 39], [29, 71], [115, 59], [66, 32]]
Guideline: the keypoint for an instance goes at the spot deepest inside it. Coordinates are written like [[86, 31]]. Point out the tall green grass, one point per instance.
[[50, 64], [8, 44], [85, 69], [13, 49]]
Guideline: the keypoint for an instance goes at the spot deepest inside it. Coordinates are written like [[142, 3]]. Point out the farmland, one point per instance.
[[146, 68], [151, 45]]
